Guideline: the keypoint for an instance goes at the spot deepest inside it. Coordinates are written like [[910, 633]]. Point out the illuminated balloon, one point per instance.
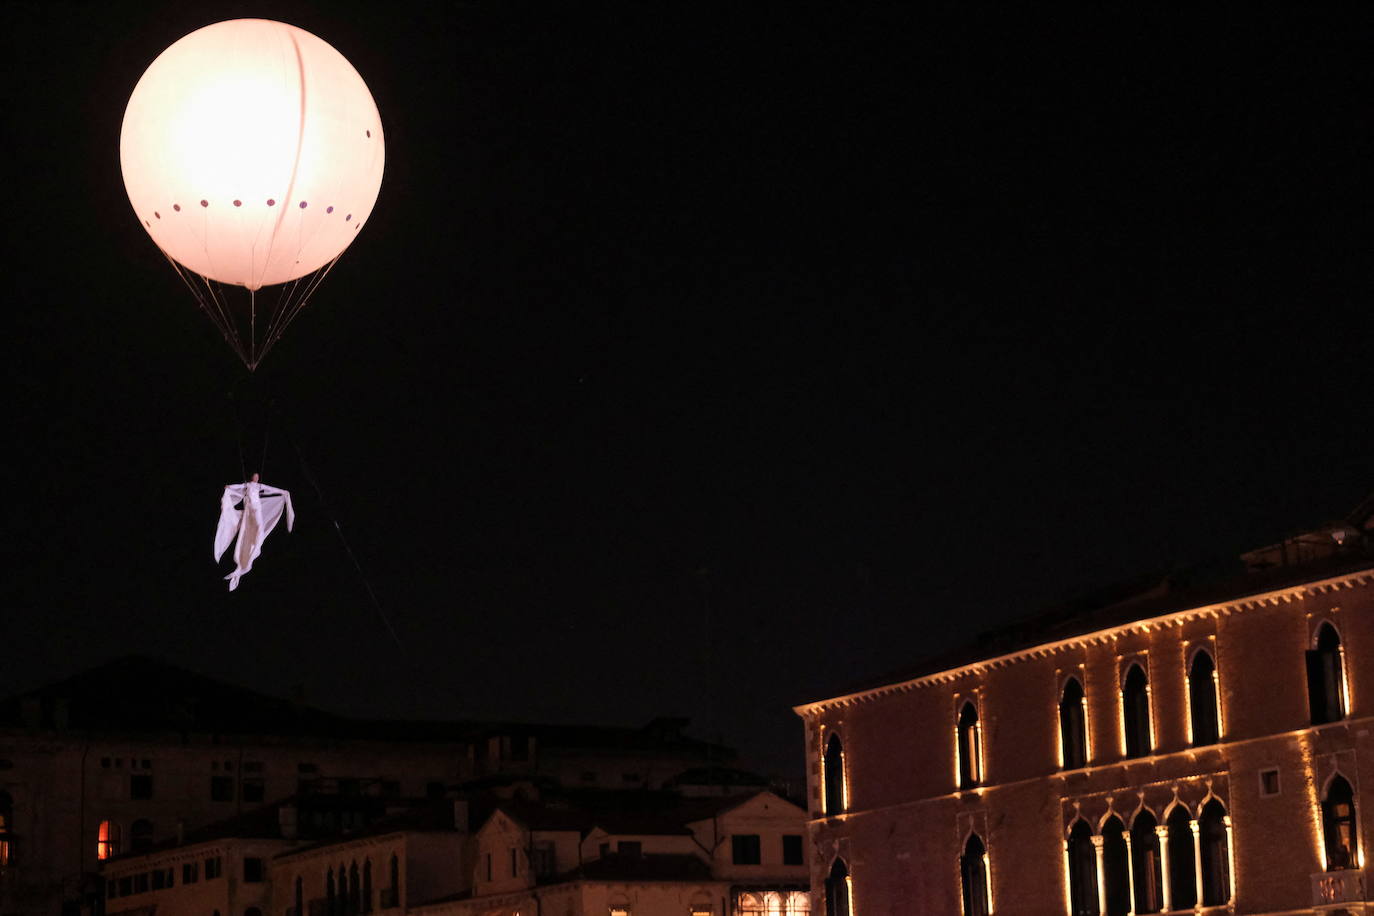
[[252, 152]]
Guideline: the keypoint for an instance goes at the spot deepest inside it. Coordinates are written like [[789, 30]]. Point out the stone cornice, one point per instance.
[[1287, 595]]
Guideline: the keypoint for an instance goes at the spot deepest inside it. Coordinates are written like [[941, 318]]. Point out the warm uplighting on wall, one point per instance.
[[1068, 882], [1345, 681], [987, 882]]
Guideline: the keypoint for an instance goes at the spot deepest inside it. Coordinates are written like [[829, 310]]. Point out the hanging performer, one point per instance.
[[259, 508]]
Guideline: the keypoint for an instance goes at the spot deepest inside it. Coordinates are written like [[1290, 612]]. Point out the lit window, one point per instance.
[[1082, 870], [1202, 699], [837, 890], [1215, 855], [107, 840], [1182, 868], [835, 801], [1073, 734], [1338, 826], [1326, 678], [973, 878], [620, 911], [1116, 869], [1146, 865], [970, 747], [1135, 712]]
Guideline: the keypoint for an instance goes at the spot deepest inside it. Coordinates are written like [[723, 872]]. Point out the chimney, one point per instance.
[[286, 822], [460, 815]]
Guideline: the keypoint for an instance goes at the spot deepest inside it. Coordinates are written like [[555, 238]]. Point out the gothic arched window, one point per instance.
[[1073, 732], [1214, 850], [1146, 865], [1338, 826], [970, 747], [1135, 712], [1202, 699], [973, 875], [834, 776], [1082, 870], [1116, 868], [837, 890], [1182, 868], [1326, 678]]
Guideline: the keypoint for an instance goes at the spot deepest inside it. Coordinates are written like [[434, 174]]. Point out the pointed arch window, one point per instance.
[[835, 801], [367, 886], [1146, 867], [355, 890], [970, 741], [1182, 864], [1202, 699], [1338, 826], [1135, 712], [1082, 870], [1326, 677], [973, 876], [837, 890], [1214, 855], [1073, 731], [1116, 868], [299, 909], [331, 905]]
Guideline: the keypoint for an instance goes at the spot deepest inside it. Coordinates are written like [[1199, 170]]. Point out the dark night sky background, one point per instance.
[[853, 331]]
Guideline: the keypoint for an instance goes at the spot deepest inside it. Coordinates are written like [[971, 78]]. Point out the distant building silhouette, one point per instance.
[[130, 755]]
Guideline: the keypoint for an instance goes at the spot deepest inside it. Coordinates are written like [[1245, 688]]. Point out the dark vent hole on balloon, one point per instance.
[[205, 203], [238, 203], [302, 205], [157, 214], [271, 202], [176, 207], [328, 209]]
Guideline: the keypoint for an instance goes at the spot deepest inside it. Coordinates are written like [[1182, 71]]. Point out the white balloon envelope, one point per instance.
[[252, 153]]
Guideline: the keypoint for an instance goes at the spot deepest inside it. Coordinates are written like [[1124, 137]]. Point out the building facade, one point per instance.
[[1204, 751], [121, 758]]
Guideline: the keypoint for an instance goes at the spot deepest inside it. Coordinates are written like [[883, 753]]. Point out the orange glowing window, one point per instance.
[[107, 840]]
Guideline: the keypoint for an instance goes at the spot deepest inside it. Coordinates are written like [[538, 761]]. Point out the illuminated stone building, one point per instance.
[[1184, 748], [128, 755]]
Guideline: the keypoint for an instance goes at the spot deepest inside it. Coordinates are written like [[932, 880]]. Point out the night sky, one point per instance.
[[695, 361]]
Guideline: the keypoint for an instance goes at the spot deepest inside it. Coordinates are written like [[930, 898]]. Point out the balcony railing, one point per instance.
[[1331, 888]]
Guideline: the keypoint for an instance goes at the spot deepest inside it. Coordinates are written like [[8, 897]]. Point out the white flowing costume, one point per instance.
[[260, 508]]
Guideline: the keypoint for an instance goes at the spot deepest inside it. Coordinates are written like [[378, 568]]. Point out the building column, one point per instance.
[[1130, 873], [1162, 832], [1101, 874], [1230, 859], [1194, 826]]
